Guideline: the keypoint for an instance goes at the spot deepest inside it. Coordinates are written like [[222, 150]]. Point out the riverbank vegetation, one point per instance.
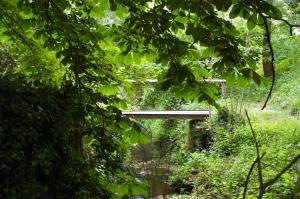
[[220, 169]]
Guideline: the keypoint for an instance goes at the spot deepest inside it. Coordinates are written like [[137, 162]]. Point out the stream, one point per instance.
[[152, 166]]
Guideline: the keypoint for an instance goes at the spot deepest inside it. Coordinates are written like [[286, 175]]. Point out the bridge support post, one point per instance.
[[199, 136], [223, 89]]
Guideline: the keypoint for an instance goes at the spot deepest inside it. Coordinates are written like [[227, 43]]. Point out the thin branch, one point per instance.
[[264, 186], [249, 174], [287, 167], [259, 167], [268, 34], [291, 26], [260, 177]]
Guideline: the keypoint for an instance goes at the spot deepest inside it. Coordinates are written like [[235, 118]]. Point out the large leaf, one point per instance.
[[109, 90], [235, 11]]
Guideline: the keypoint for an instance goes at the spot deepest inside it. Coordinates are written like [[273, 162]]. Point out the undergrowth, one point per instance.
[[220, 170]]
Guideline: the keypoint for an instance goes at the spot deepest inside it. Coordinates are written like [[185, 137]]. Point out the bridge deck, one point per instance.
[[168, 114]]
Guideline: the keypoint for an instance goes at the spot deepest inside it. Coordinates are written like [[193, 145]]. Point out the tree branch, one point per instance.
[[287, 167], [249, 174], [260, 176], [268, 34], [264, 186], [291, 26]]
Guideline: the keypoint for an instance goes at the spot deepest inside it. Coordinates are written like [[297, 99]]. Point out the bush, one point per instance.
[[221, 171], [41, 152]]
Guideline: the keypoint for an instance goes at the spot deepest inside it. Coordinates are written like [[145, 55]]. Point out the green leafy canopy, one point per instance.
[[82, 46]]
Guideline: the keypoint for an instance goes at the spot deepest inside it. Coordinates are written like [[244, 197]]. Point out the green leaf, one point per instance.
[[109, 90], [174, 28], [208, 52], [180, 25], [104, 4], [250, 23], [190, 29], [251, 62], [121, 11], [246, 72], [194, 54], [113, 5], [270, 10], [277, 12], [99, 11], [128, 59], [235, 11], [121, 105], [13, 2], [59, 54], [166, 84], [245, 13], [256, 77], [119, 59], [260, 21]]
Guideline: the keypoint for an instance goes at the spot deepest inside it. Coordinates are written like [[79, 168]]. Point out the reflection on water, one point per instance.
[[158, 182], [157, 177]]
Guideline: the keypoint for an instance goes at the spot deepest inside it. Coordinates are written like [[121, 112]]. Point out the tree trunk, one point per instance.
[[266, 54]]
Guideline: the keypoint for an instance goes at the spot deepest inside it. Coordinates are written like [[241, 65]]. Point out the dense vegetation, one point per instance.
[[220, 169], [64, 66]]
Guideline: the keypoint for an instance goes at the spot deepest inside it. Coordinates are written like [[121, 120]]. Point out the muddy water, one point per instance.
[[152, 166], [157, 178]]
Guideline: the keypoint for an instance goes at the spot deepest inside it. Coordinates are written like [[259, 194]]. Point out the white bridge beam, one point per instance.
[[168, 114]]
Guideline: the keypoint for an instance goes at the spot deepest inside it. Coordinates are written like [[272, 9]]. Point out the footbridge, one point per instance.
[[198, 137], [174, 114]]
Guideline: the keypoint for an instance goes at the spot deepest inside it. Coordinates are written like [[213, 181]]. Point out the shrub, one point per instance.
[[41, 152], [221, 171]]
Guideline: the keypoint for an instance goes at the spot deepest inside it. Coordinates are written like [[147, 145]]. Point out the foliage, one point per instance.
[[8, 61], [220, 172], [40, 154], [42, 150], [287, 61], [81, 49], [59, 44], [167, 133]]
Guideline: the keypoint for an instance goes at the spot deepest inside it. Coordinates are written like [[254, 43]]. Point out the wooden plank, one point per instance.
[[201, 114], [151, 81], [215, 80]]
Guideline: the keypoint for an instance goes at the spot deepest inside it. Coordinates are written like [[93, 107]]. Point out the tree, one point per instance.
[[91, 52], [156, 26], [267, 65]]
